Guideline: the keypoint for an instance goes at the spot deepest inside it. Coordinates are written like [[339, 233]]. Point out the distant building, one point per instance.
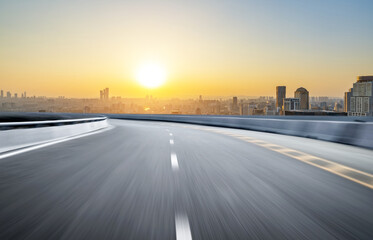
[[16, 95], [198, 111], [86, 109], [1, 93], [8, 94], [337, 107], [291, 104], [314, 113], [347, 100], [303, 96], [244, 109], [235, 101], [323, 99], [323, 105], [361, 97], [235, 108], [251, 109], [280, 95], [104, 94], [269, 111], [258, 111]]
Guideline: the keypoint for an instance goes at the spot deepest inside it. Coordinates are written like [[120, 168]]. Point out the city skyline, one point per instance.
[[210, 48], [300, 104], [97, 95], [186, 120]]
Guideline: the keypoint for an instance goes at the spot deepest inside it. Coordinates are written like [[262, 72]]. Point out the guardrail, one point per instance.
[[16, 135], [347, 132], [35, 124]]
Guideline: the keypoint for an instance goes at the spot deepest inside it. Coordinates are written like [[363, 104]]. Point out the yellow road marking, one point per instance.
[[351, 174], [354, 175]]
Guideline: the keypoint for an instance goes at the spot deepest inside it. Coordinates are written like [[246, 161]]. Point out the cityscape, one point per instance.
[[358, 101], [186, 120]]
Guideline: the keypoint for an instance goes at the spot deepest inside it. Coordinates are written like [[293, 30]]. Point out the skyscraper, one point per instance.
[[235, 108], [347, 100], [361, 97], [304, 98], [244, 109], [104, 94], [1, 93], [235, 101], [280, 95]]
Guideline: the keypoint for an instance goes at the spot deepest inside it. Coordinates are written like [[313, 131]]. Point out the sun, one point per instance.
[[151, 75]]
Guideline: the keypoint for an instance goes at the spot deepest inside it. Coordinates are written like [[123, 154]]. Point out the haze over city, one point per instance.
[[186, 120], [209, 48]]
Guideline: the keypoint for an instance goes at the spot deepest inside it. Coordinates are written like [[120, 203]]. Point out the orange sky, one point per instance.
[[76, 49]]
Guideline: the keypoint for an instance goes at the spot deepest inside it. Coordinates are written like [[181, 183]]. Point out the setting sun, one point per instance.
[[151, 75]]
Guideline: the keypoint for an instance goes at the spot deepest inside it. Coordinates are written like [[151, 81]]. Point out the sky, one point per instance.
[[207, 47]]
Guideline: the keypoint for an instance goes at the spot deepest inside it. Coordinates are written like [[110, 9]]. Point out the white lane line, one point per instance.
[[182, 227], [27, 149], [171, 142], [174, 162], [170, 134]]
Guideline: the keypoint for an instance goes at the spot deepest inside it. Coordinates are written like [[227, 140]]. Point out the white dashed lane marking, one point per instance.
[[174, 162], [181, 220], [182, 227]]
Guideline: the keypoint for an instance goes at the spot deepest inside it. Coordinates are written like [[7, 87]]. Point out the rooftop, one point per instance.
[[364, 78]]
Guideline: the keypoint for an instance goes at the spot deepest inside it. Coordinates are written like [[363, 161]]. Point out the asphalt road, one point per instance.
[[153, 180]]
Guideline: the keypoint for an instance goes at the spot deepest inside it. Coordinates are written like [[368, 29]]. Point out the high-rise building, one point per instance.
[[361, 97], [1, 93], [235, 108], [16, 95], [8, 94], [304, 97], [347, 100], [106, 90], [280, 95], [291, 104], [104, 94]]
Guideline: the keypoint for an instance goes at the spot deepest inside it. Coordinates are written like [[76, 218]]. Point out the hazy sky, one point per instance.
[[75, 48]]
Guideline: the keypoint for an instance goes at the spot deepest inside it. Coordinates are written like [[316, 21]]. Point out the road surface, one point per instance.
[[155, 180]]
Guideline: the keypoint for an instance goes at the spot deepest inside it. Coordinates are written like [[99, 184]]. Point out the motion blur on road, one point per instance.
[[158, 180]]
